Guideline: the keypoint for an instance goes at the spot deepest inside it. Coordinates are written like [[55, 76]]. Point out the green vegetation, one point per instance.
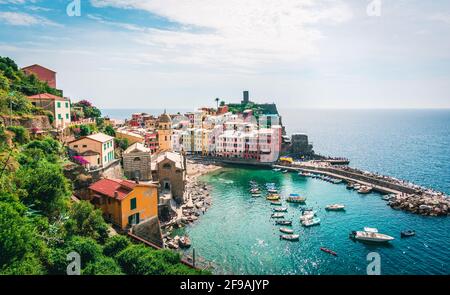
[[39, 224], [85, 109]]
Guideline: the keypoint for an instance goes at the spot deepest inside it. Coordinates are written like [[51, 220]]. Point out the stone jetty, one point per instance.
[[430, 205]]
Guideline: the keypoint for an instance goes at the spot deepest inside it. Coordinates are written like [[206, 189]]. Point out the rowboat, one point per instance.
[[273, 197], [280, 209], [335, 207], [328, 251], [283, 222], [284, 171], [290, 237], [274, 203], [370, 235], [286, 230], [277, 169], [257, 195], [277, 215], [272, 190], [311, 222], [350, 185]]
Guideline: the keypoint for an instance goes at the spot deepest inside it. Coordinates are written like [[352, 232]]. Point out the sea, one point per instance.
[[237, 235]]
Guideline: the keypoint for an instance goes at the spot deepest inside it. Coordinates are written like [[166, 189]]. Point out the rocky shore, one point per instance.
[[429, 205], [196, 202]]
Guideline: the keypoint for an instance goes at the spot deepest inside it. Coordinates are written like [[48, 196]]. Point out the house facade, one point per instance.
[[97, 149], [169, 169], [59, 106], [42, 73], [125, 203]]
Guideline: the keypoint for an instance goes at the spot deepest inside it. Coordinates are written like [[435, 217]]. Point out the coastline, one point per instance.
[[197, 200]]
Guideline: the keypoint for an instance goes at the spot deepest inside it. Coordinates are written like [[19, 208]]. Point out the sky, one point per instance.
[[185, 53]]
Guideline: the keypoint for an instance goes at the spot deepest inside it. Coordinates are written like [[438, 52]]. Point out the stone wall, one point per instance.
[[133, 162], [150, 231]]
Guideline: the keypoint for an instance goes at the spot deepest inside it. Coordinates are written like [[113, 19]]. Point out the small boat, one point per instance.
[[274, 203], [328, 251], [407, 233], [273, 197], [350, 185], [284, 171], [280, 209], [256, 195], [283, 222], [255, 190], [311, 222], [370, 235], [337, 181], [286, 230], [335, 207], [290, 237], [307, 216], [296, 199], [365, 190], [277, 215], [277, 169], [272, 190], [357, 186]]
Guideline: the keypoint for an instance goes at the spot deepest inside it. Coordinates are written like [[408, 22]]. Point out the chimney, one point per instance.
[[116, 194]]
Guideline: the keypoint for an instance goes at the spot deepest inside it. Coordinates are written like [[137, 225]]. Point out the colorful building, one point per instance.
[[97, 149], [59, 106], [132, 137], [125, 203], [42, 73]]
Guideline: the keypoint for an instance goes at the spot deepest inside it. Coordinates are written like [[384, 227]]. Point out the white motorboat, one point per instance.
[[335, 207], [277, 169], [286, 230], [311, 222], [308, 215], [365, 190], [280, 209], [371, 235], [277, 215]]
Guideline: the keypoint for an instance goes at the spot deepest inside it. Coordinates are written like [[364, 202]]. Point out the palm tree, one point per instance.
[[217, 102]]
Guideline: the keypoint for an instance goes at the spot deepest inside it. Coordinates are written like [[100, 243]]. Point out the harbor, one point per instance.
[[239, 234]]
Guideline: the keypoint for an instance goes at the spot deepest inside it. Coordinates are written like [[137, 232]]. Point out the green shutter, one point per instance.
[[133, 204], [58, 104], [67, 116]]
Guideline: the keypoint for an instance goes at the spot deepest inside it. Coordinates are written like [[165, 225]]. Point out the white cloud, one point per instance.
[[236, 32], [24, 19], [441, 17]]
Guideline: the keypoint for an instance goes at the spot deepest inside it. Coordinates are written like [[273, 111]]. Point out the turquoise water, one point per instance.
[[239, 237]]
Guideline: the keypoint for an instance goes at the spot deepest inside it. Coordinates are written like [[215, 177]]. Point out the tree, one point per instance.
[[121, 143], [115, 245], [86, 221], [102, 266], [85, 130], [89, 249], [46, 186], [109, 130], [17, 235]]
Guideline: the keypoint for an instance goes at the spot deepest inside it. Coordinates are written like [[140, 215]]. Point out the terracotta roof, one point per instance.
[[46, 96], [137, 147], [107, 187], [100, 137], [36, 65]]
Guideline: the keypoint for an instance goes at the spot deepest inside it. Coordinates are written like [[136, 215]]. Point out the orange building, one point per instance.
[[123, 202], [165, 132]]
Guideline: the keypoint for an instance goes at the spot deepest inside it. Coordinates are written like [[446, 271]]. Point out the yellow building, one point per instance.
[[123, 202], [165, 132]]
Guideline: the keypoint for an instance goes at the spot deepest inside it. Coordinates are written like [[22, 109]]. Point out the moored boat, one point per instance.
[[277, 169], [295, 198], [370, 235], [335, 207], [285, 171], [283, 222], [280, 209], [407, 233], [256, 195], [350, 185], [272, 190], [286, 230], [365, 190], [307, 216], [273, 197], [290, 237], [184, 242], [277, 215], [311, 222], [328, 251], [276, 203]]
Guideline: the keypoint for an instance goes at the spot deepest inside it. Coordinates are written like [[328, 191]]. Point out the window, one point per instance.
[[75, 146], [67, 104], [167, 166], [58, 104], [67, 116], [85, 145], [133, 204], [59, 116]]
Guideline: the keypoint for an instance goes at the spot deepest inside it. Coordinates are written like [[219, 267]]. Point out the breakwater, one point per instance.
[[405, 196]]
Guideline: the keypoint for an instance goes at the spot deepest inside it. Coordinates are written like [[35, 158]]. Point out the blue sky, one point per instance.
[[184, 53]]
